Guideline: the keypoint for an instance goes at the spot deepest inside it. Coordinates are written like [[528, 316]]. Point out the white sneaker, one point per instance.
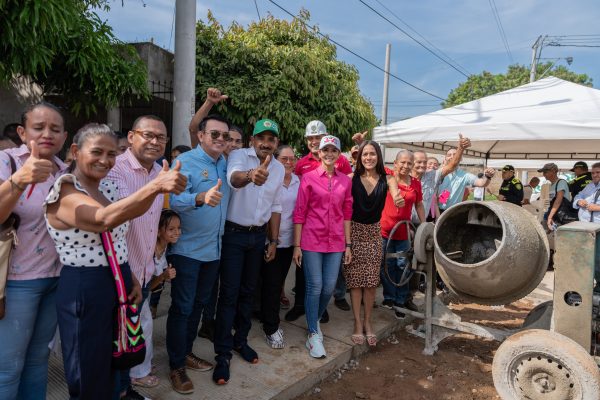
[[276, 340], [319, 332], [314, 344]]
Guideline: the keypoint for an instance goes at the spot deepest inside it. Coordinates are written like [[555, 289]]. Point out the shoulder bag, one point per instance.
[[129, 346], [8, 242]]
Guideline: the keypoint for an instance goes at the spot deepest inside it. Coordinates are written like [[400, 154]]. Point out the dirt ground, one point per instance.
[[396, 369]]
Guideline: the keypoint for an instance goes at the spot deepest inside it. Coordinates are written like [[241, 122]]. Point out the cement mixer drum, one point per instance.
[[490, 252]]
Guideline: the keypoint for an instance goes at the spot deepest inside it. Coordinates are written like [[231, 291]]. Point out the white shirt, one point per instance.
[[252, 205], [288, 202]]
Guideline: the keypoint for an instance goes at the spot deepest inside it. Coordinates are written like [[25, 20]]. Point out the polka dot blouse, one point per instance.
[[79, 248]]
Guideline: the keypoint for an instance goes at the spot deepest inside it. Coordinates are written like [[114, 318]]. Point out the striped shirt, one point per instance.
[[130, 176]]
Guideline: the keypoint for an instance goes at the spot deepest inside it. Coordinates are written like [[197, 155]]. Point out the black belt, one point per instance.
[[232, 226]]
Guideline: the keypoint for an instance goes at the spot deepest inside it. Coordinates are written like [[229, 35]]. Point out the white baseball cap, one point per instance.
[[330, 140], [315, 128]]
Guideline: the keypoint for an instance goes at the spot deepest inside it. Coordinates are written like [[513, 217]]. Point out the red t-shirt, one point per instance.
[[309, 163], [391, 214]]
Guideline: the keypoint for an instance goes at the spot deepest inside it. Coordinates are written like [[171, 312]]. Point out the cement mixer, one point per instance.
[[495, 253]]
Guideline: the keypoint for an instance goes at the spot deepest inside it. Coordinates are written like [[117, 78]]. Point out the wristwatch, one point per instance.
[[276, 241]]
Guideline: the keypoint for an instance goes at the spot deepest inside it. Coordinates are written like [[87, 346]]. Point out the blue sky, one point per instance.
[[465, 30]]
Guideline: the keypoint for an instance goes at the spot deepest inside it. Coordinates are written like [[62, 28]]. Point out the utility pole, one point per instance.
[[386, 83], [534, 57], [184, 87]]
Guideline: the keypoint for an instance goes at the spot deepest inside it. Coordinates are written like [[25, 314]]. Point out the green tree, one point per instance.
[[486, 83], [66, 48], [281, 70]]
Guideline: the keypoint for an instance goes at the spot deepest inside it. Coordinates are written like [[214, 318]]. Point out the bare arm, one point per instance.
[[463, 143], [348, 236], [420, 211], [488, 174], [76, 209], [297, 250], [213, 96]]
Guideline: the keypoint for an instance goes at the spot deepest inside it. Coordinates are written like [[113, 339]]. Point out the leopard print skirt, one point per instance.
[[367, 254]]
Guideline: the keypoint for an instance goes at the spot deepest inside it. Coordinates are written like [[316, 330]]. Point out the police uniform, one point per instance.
[[579, 183], [512, 190]]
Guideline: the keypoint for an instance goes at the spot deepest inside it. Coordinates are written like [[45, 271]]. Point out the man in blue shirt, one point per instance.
[[588, 203], [452, 189], [202, 208]]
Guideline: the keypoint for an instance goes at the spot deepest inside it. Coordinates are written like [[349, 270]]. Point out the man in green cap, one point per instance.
[[511, 189], [255, 205]]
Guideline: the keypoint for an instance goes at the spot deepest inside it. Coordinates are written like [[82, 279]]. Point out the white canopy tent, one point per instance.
[[550, 119]]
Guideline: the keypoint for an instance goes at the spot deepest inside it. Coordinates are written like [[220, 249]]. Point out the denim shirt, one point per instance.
[[201, 227]]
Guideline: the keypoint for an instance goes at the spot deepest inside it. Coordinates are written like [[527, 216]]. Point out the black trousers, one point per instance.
[[300, 288], [85, 303], [273, 276]]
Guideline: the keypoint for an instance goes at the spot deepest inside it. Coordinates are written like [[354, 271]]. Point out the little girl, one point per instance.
[[169, 230]]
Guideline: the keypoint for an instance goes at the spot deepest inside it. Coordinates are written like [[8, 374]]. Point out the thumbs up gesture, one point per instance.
[[463, 142], [259, 175], [215, 96], [34, 170], [171, 180], [213, 196]]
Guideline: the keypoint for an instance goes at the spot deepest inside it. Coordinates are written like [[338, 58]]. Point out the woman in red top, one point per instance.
[[410, 189]]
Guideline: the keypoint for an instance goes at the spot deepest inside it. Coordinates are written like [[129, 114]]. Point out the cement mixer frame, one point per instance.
[[554, 355]]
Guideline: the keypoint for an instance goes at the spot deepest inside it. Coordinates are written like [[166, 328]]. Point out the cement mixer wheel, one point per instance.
[[538, 364]]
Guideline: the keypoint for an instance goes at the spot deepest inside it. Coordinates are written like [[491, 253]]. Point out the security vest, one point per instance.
[[512, 190]]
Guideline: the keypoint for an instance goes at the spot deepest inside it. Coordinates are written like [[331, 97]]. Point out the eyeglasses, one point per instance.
[[216, 134], [287, 159], [150, 136]]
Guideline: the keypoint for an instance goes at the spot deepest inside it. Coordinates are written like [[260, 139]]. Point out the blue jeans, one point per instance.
[[241, 260], [396, 266], [25, 332], [321, 271], [190, 292], [339, 292]]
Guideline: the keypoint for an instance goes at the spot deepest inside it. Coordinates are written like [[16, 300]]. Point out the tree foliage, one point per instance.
[[486, 83], [284, 71], [64, 46]]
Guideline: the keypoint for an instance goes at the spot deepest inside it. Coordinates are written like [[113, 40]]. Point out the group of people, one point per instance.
[[223, 224]]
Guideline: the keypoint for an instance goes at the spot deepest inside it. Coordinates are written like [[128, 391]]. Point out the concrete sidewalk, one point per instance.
[[280, 374]]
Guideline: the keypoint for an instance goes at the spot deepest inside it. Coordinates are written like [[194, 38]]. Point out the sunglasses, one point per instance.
[[216, 134]]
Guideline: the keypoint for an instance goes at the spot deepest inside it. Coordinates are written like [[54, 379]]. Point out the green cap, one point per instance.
[[266, 125]]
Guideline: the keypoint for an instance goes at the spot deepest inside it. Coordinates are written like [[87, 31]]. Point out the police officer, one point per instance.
[[582, 178], [511, 189]]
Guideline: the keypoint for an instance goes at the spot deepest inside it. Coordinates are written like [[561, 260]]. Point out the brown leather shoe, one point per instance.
[[180, 381], [194, 362]]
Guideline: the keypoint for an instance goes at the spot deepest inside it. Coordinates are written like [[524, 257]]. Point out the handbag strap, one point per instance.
[[13, 164], [113, 262]]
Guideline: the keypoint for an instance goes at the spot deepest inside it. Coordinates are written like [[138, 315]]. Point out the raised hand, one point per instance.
[[259, 175], [214, 96], [463, 142], [35, 169], [213, 196], [489, 172], [359, 137], [171, 180]]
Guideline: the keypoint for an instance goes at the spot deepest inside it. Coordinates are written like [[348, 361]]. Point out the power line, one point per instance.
[[354, 53], [413, 38], [424, 38], [256, 5], [501, 29]]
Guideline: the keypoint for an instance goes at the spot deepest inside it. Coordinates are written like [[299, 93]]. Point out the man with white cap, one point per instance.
[[315, 131]]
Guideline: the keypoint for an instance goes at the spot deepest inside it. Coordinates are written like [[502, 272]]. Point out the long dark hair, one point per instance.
[[379, 167]]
